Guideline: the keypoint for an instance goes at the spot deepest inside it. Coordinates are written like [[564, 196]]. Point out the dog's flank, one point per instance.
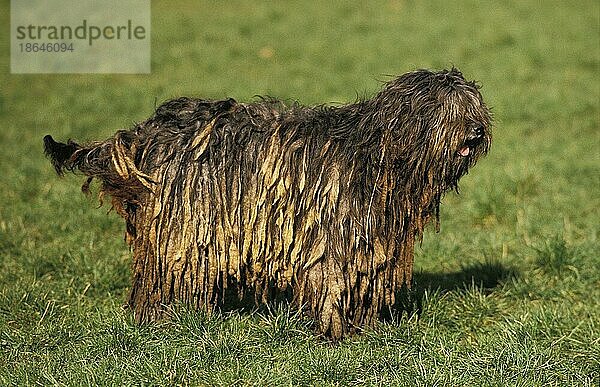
[[326, 202]]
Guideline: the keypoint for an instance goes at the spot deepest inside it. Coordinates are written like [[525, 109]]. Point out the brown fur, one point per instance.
[[324, 201]]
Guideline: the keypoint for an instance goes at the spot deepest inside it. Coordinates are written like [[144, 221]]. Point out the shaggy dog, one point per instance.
[[323, 203]]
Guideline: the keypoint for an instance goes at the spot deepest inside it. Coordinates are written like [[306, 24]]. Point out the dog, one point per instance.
[[323, 204]]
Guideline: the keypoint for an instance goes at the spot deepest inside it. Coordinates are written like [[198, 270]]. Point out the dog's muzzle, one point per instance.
[[474, 138]]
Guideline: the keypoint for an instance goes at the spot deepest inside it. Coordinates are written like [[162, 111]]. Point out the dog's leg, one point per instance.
[[322, 294]]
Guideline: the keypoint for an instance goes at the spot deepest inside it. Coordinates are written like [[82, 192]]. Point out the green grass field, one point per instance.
[[510, 287]]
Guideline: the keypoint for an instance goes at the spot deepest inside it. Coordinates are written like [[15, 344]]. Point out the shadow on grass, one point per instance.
[[485, 276]]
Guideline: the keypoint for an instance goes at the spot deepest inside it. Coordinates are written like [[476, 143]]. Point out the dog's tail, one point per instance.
[[111, 161], [61, 154]]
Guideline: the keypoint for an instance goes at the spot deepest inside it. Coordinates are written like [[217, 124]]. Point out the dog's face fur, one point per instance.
[[450, 124]]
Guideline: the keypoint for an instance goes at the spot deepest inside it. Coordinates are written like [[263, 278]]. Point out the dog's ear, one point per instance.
[[59, 153]]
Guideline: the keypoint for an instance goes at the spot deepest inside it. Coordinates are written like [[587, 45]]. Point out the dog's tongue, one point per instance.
[[464, 151]]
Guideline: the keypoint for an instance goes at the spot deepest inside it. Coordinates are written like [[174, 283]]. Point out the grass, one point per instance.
[[509, 289]]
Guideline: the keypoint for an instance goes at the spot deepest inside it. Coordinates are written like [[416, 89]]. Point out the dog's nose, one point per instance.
[[476, 132], [479, 131]]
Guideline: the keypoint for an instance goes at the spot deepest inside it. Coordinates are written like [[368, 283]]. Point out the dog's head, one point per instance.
[[436, 122]]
